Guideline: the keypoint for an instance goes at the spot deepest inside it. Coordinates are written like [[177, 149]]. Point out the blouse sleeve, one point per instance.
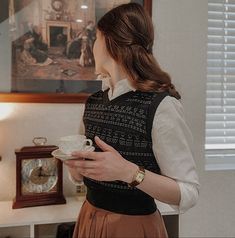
[[81, 130], [172, 147]]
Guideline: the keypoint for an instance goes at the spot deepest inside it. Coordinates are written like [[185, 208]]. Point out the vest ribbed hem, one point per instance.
[[122, 203]]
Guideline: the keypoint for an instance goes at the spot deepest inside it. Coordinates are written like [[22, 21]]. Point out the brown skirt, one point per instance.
[[98, 223]]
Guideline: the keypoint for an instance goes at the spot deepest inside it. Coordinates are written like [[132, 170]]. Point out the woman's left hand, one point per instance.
[[108, 165]]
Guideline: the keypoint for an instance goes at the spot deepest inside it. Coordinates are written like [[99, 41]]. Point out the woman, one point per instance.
[[142, 143]]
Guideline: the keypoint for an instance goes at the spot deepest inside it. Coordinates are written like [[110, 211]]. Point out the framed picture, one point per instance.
[[50, 47]]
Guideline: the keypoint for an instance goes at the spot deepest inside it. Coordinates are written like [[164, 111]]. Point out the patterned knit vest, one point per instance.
[[124, 123]]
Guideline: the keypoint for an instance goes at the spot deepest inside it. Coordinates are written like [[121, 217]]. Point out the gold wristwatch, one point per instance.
[[138, 177]]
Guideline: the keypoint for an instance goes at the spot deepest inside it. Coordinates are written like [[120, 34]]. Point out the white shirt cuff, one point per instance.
[[189, 196], [74, 181]]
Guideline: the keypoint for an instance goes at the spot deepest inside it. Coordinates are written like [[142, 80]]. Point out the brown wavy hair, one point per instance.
[[129, 37]]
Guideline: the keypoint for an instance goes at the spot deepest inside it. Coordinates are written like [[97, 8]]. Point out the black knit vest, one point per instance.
[[125, 123]]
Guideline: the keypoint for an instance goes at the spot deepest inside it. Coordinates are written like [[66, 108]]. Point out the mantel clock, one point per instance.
[[39, 177]]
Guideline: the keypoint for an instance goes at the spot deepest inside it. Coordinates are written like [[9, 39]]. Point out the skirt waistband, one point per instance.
[[121, 202]]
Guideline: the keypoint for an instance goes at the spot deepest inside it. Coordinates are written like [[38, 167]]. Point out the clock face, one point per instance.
[[39, 175]]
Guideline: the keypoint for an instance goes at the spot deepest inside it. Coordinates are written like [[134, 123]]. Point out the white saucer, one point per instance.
[[62, 156]]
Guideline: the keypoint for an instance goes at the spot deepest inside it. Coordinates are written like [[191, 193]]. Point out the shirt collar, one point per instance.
[[121, 87]]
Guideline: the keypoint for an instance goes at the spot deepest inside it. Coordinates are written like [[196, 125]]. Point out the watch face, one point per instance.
[[140, 177], [39, 175]]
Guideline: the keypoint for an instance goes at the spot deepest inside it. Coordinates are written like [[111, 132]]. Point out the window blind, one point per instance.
[[220, 104]]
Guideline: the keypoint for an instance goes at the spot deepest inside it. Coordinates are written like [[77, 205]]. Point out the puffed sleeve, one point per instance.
[[172, 147]]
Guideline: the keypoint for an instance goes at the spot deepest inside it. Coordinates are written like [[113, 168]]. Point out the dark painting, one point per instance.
[[52, 43]]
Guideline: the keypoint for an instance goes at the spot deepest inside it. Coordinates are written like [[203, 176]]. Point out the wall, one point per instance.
[[181, 49], [181, 41]]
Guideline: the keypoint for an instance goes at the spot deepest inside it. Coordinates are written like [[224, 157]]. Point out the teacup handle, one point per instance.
[[87, 147]]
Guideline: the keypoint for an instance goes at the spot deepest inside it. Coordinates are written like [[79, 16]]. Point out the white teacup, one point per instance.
[[68, 144]]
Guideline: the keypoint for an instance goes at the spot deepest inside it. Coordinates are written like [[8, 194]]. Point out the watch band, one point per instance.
[[136, 181]]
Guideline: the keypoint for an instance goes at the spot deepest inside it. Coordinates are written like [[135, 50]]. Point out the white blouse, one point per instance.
[[172, 144]]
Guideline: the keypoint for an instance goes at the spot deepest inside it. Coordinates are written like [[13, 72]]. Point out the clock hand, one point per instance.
[[47, 175], [40, 171]]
